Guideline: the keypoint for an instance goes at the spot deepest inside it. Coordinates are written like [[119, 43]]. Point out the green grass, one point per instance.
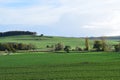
[[54, 66], [50, 58], [58, 66], [44, 41]]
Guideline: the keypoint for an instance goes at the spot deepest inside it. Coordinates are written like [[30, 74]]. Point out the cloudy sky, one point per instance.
[[61, 17]]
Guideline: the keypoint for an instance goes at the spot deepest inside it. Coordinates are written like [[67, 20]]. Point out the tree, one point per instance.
[[47, 46], [67, 49], [78, 49], [59, 46], [104, 45], [87, 44], [117, 47], [9, 47], [13, 33], [97, 45], [41, 35], [12, 47]]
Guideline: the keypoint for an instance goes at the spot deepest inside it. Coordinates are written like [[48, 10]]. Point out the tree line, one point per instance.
[[98, 45], [13, 47], [14, 33]]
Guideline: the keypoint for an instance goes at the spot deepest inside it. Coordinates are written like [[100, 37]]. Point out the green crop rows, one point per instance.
[[46, 66]]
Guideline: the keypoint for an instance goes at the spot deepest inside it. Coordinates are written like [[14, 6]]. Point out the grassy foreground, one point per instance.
[[54, 66]]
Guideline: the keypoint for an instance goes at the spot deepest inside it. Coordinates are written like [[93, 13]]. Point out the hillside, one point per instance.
[[42, 42], [107, 37]]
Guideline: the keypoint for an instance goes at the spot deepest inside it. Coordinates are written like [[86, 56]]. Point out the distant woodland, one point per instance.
[[14, 33]]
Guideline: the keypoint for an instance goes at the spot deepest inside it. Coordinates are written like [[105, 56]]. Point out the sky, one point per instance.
[[72, 18]]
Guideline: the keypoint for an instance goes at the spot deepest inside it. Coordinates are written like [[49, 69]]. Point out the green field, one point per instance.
[[54, 66], [41, 42], [58, 66]]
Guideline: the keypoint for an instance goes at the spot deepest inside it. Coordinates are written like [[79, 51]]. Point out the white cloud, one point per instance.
[[92, 15], [37, 14], [34, 15], [110, 24]]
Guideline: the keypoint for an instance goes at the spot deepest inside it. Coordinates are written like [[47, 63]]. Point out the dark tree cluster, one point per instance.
[[67, 49], [14, 33], [15, 46], [59, 46], [97, 45], [78, 49], [117, 47]]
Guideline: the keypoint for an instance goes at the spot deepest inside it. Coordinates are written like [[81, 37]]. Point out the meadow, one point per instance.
[[54, 66], [42, 42], [58, 66]]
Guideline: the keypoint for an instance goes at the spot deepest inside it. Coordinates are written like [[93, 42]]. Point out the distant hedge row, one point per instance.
[[13, 33], [15, 46], [97, 46]]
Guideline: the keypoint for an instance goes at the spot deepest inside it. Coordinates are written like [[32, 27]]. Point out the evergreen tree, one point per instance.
[[87, 44]]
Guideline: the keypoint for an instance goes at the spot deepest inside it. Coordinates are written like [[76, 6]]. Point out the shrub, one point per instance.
[[15, 46], [97, 45], [41, 35], [78, 49], [105, 47], [67, 49], [59, 46], [117, 47], [47, 46], [100, 45]]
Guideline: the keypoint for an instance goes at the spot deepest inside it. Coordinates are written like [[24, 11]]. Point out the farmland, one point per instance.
[[58, 66], [41, 42], [73, 66]]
